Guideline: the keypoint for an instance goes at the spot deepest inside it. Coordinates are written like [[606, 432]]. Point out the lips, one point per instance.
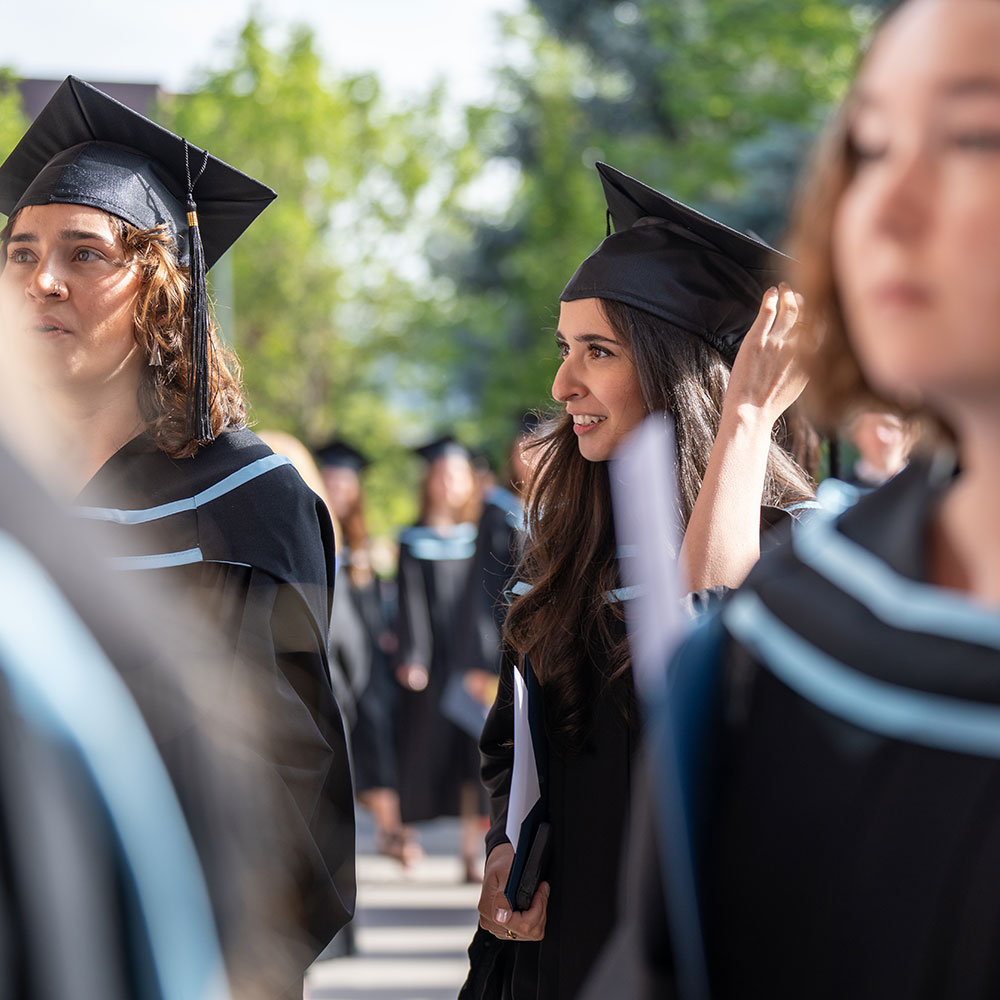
[[900, 294], [586, 423], [49, 326]]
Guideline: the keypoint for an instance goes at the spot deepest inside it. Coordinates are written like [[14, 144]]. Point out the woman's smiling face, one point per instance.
[[596, 380], [66, 292]]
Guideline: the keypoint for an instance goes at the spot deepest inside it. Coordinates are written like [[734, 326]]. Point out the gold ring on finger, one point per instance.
[[511, 934]]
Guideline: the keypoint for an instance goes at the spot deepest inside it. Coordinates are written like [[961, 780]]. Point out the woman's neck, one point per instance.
[[440, 519], [90, 430], [965, 536]]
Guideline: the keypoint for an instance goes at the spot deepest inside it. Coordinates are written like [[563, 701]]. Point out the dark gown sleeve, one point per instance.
[[496, 749], [350, 650], [483, 609], [275, 631], [413, 622]]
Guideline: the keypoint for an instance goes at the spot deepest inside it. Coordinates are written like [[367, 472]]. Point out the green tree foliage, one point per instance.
[[12, 120], [311, 296]]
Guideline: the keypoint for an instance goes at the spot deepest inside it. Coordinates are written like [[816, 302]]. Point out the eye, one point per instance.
[[863, 153], [84, 254], [986, 141], [563, 348], [20, 256], [596, 351]]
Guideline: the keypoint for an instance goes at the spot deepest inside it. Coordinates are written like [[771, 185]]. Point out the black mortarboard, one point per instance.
[[340, 454], [678, 264], [86, 148], [442, 447]]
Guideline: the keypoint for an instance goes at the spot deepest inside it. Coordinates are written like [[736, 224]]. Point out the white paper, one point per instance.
[[524, 791], [644, 491]]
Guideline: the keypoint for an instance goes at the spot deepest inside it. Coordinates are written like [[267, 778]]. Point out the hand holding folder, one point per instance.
[[527, 806]]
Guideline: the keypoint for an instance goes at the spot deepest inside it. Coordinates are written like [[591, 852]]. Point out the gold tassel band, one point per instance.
[[192, 218]]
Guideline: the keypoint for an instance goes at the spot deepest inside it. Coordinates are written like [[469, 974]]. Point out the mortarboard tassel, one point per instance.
[[199, 403]]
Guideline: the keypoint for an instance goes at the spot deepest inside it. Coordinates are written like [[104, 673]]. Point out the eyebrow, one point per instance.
[[965, 86], [587, 338], [65, 234]]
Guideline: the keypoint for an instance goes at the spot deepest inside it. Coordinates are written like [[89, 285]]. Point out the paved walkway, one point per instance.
[[412, 927]]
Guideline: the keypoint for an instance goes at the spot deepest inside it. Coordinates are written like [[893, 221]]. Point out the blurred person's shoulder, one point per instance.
[[888, 523], [834, 570]]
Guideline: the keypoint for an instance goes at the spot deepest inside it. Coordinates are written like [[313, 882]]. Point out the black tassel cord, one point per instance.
[[199, 398]]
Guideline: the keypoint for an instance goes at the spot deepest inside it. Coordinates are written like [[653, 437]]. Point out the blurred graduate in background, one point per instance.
[[372, 735], [883, 440], [438, 762], [472, 688]]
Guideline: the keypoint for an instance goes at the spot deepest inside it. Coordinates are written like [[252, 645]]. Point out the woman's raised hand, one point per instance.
[[768, 372], [495, 913]]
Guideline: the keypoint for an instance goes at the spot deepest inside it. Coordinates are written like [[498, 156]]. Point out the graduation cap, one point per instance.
[[85, 148], [339, 454], [441, 448], [678, 264]]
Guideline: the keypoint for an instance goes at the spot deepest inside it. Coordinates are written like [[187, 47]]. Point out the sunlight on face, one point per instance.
[[67, 298], [596, 380]]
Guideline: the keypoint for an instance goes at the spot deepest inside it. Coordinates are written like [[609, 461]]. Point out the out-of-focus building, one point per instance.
[[139, 97]]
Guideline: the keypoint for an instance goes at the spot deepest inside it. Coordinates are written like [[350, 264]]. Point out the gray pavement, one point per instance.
[[412, 927]]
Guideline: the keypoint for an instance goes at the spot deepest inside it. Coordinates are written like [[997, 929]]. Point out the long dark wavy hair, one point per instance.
[[569, 555]]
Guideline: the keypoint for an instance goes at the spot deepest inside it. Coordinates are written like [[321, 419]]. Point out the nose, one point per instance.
[[904, 198], [45, 283], [567, 384]]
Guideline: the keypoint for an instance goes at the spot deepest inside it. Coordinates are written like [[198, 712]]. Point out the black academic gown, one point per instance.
[[434, 756], [236, 532], [590, 803], [350, 650], [373, 738], [588, 808], [852, 846]]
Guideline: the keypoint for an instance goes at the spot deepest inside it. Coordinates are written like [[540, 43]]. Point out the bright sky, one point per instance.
[[409, 43]]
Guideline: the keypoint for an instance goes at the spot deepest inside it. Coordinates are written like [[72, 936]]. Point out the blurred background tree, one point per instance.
[[12, 120], [318, 296]]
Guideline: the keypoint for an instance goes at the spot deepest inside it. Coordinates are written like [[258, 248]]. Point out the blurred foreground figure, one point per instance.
[[847, 840], [141, 842], [113, 223]]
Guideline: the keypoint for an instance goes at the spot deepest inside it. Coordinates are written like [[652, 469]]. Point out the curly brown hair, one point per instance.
[[162, 321], [162, 331]]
